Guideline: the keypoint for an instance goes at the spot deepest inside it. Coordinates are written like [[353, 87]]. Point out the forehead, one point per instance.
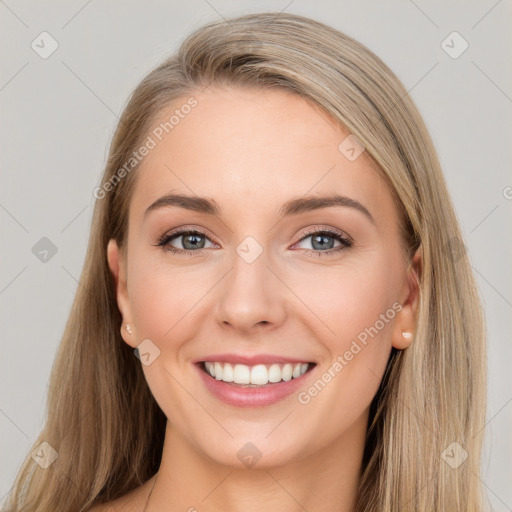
[[251, 150]]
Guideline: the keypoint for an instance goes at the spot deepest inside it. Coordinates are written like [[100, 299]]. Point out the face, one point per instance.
[[326, 286]]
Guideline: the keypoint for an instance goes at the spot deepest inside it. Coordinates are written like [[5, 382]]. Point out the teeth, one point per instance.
[[210, 368], [218, 371], [274, 373], [227, 373], [258, 375], [287, 372], [241, 374]]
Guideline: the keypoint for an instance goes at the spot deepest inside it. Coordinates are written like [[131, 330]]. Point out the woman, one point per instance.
[[273, 312]]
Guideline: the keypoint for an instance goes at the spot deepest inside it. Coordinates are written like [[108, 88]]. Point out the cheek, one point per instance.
[[352, 298], [162, 302], [358, 306], [162, 297]]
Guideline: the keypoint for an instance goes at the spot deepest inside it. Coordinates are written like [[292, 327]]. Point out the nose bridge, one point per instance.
[[250, 293]]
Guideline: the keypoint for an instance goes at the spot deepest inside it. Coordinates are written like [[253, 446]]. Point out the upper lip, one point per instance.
[[251, 360]]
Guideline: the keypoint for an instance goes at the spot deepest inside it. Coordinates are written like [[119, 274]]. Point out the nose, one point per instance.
[[251, 297]]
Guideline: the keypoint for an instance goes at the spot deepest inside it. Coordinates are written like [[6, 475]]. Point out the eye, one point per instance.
[[322, 240], [193, 241]]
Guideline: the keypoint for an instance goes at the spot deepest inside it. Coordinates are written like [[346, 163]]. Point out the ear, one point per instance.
[[117, 264], [404, 327]]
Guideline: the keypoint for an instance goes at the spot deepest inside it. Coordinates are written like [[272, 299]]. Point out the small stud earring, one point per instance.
[[129, 329], [407, 335]]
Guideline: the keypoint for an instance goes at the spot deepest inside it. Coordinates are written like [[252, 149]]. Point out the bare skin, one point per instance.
[[250, 151]]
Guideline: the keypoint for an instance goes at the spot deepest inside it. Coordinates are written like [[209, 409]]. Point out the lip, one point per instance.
[[251, 360], [239, 396]]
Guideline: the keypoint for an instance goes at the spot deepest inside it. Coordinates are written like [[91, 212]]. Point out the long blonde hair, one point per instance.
[[102, 419]]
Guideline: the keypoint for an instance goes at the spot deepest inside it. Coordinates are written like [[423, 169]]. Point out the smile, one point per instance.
[[240, 385]]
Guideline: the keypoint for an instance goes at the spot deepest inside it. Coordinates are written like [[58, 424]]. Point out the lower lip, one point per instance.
[[239, 396]]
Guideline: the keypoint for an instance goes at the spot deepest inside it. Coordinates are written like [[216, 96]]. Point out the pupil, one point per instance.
[[194, 244], [322, 245]]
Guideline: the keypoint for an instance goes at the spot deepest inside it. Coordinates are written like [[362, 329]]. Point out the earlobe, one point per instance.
[[405, 322], [118, 269]]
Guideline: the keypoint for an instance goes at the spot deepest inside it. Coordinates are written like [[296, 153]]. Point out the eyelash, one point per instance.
[[339, 235]]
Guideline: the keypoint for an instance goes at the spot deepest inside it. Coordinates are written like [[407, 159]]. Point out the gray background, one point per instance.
[[59, 114]]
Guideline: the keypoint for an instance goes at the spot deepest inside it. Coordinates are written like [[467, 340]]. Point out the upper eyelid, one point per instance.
[[330, 231], [186, 231]]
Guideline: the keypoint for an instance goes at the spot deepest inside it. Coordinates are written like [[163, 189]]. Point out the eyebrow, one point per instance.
[[293, 207]]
